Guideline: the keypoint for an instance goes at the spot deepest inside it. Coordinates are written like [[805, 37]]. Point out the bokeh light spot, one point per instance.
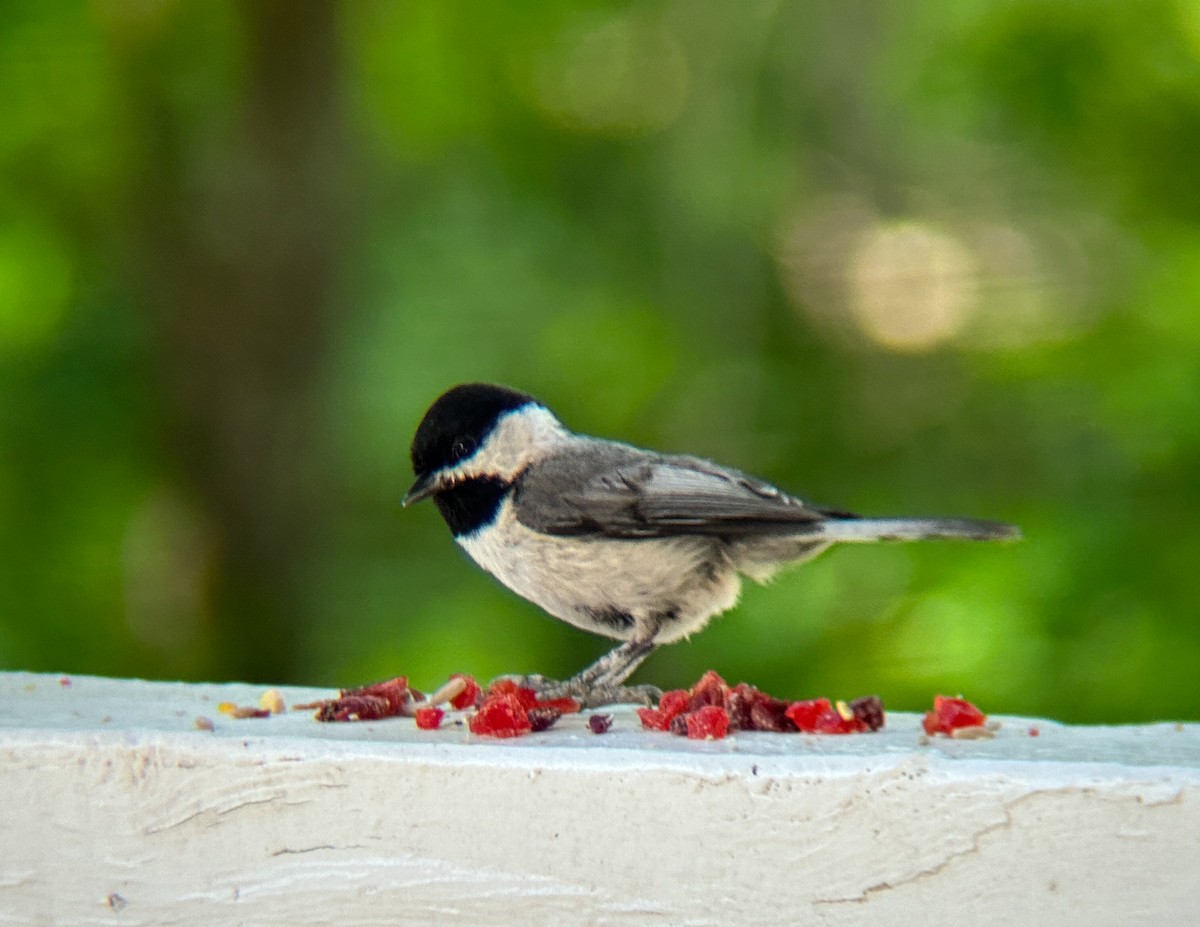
[[912, 287]]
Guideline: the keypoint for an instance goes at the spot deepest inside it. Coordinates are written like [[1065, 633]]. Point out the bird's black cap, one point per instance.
[[458, 422]]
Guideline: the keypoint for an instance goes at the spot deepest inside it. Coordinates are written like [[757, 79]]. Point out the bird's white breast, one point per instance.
[[643, 578]]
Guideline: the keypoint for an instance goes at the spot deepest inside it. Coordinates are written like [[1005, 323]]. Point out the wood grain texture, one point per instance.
[[140, 819]]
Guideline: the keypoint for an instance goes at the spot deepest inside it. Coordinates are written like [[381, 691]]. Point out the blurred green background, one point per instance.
[[924, 258]]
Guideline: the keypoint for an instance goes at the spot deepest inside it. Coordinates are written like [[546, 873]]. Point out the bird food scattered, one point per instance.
[[429, 717], [391, 698], [955, 717], [710, 710], [748, 709], [242, 711]]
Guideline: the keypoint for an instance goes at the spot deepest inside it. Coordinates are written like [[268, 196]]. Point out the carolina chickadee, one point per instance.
[[631, 544]]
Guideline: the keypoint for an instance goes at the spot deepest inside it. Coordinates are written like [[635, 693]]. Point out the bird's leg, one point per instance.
[[601, 683]]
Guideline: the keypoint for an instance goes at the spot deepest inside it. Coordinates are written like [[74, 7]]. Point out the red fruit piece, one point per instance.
[[654, 719], [833, 722], [379, 700], [355, 708], [804, 714], [708, 723], [752, 710], [501, 715], [429, 718], [949, 714], [739, 703], [501, 687], [395, 690], [711, 689], [673, 702], [770, 714], [469, 697], [373, 702], [869, 710], [600, 724]]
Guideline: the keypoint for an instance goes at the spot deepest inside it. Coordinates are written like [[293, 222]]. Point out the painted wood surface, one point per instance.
[[118, 810]]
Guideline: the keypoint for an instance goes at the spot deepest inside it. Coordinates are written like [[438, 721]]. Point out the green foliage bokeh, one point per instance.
[[931, 258]]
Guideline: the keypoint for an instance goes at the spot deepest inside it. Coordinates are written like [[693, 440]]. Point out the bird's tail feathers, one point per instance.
[[850, 530]]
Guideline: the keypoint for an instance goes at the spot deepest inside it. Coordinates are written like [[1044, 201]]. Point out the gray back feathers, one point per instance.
[[615, 490], [604, 488]]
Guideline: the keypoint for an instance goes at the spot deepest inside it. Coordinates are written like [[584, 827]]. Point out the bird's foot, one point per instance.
[[595, 695], [587, 693]]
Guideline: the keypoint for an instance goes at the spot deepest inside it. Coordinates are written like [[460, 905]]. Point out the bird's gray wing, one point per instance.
[[621, 492]]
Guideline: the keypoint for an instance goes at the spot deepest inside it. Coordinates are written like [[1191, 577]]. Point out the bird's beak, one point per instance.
[[423, 488]]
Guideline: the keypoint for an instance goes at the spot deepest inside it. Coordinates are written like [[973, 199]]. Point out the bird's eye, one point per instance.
[[463, 447]]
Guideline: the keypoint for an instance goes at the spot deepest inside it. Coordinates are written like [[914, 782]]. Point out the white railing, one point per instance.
[[118, 810]]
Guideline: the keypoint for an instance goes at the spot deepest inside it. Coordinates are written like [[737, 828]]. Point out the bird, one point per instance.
[[638, 546]]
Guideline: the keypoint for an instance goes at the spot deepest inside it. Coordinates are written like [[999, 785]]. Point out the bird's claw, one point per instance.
[[588, 694]]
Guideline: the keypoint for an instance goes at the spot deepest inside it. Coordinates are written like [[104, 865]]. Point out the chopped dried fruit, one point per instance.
[[356, 708], [752, 710], [710, 690], [470, 696], [447, 691], [654, 719], [708, 723], [501, 715], [748, 709], [542, 717], [202, 723], [242, 711], [869, 710], [527, 697], [379, 700], [65, 681], [710, 709], [770, 714], [740, 704], [509, 710], [951, 714], [805, 714], [818, 716], [836, 723], [272, 701], [1034, 732], [673, 702]]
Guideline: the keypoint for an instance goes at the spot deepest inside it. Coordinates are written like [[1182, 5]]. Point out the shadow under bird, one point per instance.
[[627, 543]]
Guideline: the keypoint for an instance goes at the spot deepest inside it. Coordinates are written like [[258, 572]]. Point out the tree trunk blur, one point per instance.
[[238, 251]]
